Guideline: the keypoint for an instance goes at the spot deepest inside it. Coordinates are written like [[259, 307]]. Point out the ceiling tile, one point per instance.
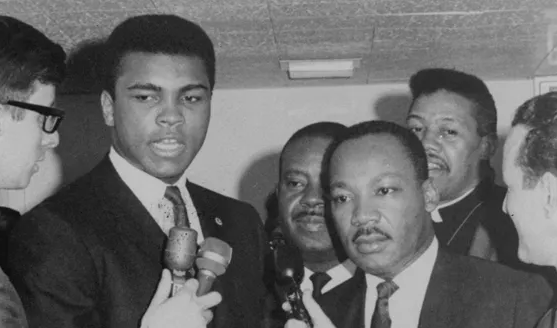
[[216, 10], [323, 23], [315, 8], [244, 44], [441, 6], [11, 7], [96, 5]]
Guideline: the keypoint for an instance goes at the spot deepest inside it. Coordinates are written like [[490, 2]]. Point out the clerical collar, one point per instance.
[[436, 216]]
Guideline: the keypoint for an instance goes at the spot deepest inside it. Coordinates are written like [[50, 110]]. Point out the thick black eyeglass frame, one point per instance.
[[57, 114]]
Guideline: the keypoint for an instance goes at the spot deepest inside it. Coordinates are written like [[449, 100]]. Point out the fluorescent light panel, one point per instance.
[[316, 69]]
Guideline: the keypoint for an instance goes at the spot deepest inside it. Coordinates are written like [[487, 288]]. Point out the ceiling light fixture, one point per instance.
[[320, 68]]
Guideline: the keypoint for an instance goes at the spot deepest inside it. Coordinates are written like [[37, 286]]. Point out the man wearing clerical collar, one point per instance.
[[454, 115]]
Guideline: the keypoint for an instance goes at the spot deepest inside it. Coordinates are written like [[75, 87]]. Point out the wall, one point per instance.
[[248, 129]]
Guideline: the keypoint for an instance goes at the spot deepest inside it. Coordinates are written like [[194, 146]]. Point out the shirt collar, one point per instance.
[[146, 187], [416, 275]]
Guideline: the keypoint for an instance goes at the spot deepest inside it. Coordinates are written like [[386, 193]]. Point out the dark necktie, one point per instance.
[[319, 280], [381, 318], [172, 193]]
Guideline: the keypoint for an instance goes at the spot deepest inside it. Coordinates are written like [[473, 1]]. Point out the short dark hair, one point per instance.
[[538, 152], [329, 130], [431, 80], [26, 56], [156, 34], [409, 141]]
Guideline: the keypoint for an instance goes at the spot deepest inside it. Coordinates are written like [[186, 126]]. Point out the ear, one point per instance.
[[107, 104], [548, 183], [431, 195], [488, 147]]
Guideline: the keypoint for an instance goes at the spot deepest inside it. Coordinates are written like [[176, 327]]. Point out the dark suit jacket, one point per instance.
[[91, 255], [463, 292]]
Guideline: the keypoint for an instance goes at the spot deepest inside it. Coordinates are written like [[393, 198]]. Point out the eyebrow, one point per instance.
[[294, 171], [443, 119], [156, 88], [342, 185]]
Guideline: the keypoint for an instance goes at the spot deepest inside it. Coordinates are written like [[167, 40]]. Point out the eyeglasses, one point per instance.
[[52, 116]]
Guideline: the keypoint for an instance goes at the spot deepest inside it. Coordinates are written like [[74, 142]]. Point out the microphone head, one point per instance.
[[289, 264], [214, 255], [181, 248]]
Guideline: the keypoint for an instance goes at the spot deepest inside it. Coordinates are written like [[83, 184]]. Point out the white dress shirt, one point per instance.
[[338, 274], [405, 305], [150, 191], [436, 216]]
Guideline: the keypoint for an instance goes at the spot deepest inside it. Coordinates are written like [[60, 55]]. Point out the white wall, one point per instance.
[[249, 127]]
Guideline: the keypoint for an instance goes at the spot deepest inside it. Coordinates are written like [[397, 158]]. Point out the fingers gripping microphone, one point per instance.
[[212, 260], [289, 271], [179, 255]]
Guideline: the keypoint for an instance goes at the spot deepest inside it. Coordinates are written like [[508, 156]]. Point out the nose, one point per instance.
[[313, 196], [430, 140], [364, 214], [171, 115], [50, 140]]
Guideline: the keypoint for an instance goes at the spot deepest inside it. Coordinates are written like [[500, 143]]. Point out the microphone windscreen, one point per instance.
[[214, 255], [289, 264], [181, 248]]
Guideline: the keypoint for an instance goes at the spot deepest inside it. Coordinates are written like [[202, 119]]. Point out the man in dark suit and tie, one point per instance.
[[302, 216], [91, 256], [529, 170], [381, 200]]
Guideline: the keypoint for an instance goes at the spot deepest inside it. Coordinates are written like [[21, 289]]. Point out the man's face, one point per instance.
[[160, 112], [445, 123], [525, 205], [378, 205], [301, 204], [23, 143]]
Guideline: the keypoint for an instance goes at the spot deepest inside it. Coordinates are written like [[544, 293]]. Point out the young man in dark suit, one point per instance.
[[529, 170], [381, 200], [91, 256]]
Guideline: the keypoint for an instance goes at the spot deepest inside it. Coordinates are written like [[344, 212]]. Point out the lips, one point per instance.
[[168, 147], [436, 163], [311, 222]]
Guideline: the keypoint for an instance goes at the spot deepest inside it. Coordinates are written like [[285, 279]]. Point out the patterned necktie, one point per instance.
[[381, 318], [319, 280], [172, 193]]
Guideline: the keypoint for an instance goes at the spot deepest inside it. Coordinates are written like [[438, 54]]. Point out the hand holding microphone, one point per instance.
[[184, 307]]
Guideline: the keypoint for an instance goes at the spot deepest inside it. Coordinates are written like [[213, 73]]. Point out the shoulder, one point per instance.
[[11, 308], [220, 201], [493, 276]]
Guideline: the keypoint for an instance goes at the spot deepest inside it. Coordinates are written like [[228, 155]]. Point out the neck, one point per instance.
[[320, 261]]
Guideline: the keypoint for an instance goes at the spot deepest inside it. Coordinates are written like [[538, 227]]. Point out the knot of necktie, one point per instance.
[[319, 280], [381, 318], [172, 193]]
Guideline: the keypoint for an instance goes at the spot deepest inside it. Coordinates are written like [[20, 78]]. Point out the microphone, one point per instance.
[[179, 255], [212, 260], [289, 272]]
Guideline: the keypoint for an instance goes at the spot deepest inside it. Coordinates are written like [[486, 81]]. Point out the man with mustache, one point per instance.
[[454, 115], [301, 207], [381, 203], [529, 170], [91, 256]]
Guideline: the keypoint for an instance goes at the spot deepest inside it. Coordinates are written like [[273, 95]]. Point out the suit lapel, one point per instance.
[[440, 308], [131, 218], [345, 304], [212, 226]]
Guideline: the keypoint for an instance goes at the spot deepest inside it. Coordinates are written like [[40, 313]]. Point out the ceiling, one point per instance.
[[496, 39]]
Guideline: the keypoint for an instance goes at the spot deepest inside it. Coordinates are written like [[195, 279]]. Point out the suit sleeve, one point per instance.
[[532, 301], [53, 272], [11, 310]]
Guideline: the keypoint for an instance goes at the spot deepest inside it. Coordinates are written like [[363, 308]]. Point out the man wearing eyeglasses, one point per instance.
[[31, 66]]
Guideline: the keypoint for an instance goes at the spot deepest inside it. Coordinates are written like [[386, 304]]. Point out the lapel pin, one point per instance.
[[218, 221]]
